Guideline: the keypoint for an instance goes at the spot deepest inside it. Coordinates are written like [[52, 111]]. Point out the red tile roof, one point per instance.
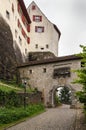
[[21, 2]]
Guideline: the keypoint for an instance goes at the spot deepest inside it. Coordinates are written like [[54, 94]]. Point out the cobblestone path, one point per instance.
[[61, 118]]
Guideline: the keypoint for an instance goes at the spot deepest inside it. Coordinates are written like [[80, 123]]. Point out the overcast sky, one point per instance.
[[70, 18]]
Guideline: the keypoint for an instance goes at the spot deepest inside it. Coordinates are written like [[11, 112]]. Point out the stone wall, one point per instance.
[[41, 76]]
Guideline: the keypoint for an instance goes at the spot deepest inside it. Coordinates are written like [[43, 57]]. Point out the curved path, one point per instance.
[[61, 118]]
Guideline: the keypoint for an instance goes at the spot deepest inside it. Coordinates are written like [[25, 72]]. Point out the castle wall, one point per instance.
[[42, 76]]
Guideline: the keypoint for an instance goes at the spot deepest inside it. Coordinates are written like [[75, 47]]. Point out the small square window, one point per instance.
[[7, 14], [39, 29], [33, 7], [36, 46], [30, 71], [42, 48], [47, 46], [44, 70]]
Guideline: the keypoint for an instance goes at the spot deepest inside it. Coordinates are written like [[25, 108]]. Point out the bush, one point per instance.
[[57, 101], [9, 99]]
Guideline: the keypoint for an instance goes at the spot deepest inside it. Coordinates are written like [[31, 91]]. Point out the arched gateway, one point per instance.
[[52, 95], [47, 75]]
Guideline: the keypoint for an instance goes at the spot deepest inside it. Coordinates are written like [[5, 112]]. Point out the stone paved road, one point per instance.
[[61, 118]]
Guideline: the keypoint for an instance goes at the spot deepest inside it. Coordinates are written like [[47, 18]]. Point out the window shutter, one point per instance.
[[33, 17], [18, 7], [28, 40], [42, 29], [23, 32], [28, 28], [36, 28], [40, 18], [18, 23], [12, 7], [23, 19]]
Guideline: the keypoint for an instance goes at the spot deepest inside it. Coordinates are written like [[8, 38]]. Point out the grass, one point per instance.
[[7, 88], [12, 87], [9, 117]]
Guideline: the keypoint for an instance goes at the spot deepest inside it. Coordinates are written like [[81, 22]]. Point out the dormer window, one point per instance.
[[37, 18]]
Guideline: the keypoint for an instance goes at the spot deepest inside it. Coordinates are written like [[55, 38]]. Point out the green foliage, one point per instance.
[[9, 99], [81, 96], [81, 73], [6, 87], [65, 95], [57, 101], [14, 114]]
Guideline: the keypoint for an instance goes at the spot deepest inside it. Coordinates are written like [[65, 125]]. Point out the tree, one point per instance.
[[65, 95], [81, 76]]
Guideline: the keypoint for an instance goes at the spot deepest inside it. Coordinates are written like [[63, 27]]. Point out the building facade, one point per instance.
[[44, 35], [15, 14], [48, 75], [31, 30]]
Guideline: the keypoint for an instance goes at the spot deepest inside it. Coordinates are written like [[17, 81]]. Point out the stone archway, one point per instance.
[[52, 95]]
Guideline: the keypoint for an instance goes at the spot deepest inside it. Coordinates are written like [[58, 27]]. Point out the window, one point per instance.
[[30, 71], [16, 33], [47, 46], [37, 18], [82, 64], [36, 46], [39, 29], [33, 7], [20, 40], [7, 14], [42, 48], [62, 72], [44, 70]]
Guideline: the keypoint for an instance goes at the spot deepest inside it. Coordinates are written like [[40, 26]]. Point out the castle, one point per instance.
[[37, 39], [31, 30]]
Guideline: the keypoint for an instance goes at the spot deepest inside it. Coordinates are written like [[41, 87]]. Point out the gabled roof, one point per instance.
[[49, 61], [24, 10], [55, 27]]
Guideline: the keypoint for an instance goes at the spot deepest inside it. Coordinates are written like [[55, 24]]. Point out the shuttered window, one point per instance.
[[28, 28], [37, 18], [39, 29], [28, 40]]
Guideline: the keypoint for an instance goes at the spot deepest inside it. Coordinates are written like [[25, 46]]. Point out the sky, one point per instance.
[[70, 17]]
